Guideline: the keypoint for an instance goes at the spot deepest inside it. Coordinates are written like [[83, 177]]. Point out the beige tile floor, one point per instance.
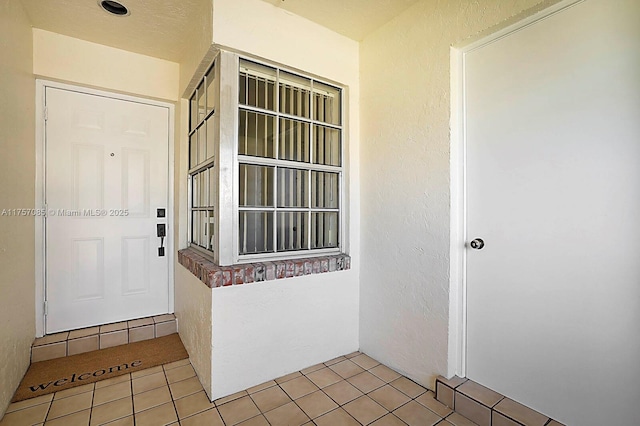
[[349, 390]]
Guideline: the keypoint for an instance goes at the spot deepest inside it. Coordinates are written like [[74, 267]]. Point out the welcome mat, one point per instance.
[[58, 374]]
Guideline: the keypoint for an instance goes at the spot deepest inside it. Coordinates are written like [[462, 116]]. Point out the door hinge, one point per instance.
[[46, 307], [46, 113]]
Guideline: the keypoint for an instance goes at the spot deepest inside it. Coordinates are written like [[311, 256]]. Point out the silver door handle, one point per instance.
[[477, 244]]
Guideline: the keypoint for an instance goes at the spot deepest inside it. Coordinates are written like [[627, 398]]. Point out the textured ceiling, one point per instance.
[[352, 18], [161, 28], [158, 28]]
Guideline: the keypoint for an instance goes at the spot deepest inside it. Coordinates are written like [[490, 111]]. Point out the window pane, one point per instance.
[[210, 230], [203, 229], [292, 188], [195, 227], [211, 137], [211, 87], [242, 88], [256, 232], [195, 191], [213, 187], [193, 116], [326, 146], [256, 186], [256, 134], [202, 108], [292, 231], [324, 190], [203, 183], [257, 86], [295, 94], [324, 230], [202, 144], [203, 190], [294, 140], [326, 103], [193, 150], [204, 239]]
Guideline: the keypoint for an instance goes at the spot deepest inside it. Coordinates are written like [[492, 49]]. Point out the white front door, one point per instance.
[[106, 176], [553, 189]]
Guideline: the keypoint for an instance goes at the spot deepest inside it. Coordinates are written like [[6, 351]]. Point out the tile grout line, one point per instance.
[[215, 406], [491, 409], [292, 400], [509, 417], [100, 333], [389, 383], [328, 396], [254, 403], [279, 385], [194, 393], [346, 380], [147, 390], [342, 380], [49, 409], [409, 401], [133, 404], [301, 375], [93, 397], [175, 409]]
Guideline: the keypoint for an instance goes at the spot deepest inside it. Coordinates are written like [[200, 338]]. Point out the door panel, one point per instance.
[[135, 265], [553, 188], [87, 277], [136, 182], [88, 177], [106, 173]]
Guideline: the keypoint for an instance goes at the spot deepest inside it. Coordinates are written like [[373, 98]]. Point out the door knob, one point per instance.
[[477, 244], [161, 232]]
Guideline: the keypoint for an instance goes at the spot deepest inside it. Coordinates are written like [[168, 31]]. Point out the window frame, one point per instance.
[[227, 162], [209, 163], [309, 166]]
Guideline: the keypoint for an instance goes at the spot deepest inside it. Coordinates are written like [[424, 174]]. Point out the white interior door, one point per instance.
[[553, 189], [106, 176]]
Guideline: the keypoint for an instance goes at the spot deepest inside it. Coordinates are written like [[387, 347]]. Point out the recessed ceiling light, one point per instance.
[[114, 8]]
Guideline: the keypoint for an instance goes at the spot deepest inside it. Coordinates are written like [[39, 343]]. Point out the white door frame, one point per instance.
[[457, 349], [40, 241]]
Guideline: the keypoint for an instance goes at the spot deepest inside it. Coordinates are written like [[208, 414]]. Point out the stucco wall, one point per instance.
[[17, 171], [200, 39], [405, 84], [69, 59], [193, 310], [192, 297], [264, 330]]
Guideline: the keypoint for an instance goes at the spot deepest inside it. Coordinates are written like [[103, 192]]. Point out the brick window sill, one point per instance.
[[222, 276]]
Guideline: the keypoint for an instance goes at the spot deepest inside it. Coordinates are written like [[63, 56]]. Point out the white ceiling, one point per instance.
[[352, 18], [160, 28]]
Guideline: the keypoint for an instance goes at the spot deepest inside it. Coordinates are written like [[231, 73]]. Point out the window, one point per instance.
[[290, 161], [279, 136], [202, 170]]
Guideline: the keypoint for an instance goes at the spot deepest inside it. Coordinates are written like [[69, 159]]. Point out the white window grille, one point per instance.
[[290, 162], [202, 170], [281, 135]]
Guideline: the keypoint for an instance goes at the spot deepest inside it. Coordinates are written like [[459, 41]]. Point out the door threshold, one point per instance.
[[89, 339], [483, 406]]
